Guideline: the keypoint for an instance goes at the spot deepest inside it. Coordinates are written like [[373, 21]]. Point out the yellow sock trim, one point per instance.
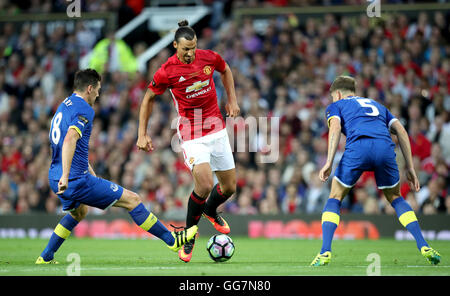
[[149, 222], [407, 218], [61, 231], [330, 217]]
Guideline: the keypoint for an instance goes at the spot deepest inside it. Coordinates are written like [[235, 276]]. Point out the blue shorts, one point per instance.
[[367, 154], [88, 190]]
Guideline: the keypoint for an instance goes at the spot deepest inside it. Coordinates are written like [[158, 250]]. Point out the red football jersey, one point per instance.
[[193, 93]]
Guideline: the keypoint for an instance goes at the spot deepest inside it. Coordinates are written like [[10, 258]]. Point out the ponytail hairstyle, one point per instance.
[[184, 31]]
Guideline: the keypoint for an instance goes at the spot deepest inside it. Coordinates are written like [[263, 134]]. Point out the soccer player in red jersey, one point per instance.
[[188, 75]]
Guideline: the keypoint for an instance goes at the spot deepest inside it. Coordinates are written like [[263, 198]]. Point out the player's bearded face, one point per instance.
[[186, 49]]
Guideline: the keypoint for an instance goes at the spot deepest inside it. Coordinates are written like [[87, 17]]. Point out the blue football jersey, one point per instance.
[[361, 117], [74, 112]]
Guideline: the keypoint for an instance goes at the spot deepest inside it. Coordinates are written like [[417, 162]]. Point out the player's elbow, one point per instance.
[[149, 96], [398, 129]]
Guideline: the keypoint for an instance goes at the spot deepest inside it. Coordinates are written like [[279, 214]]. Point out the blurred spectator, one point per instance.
[[420, 145], [316, 195], [282, 69], [411, 199], [269, 205], [292, 201], [244, 203], [447, 204], [111, 55], [371, 206], [433, 201]]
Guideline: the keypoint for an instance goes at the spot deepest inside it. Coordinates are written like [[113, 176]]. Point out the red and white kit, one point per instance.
[[200, 125]]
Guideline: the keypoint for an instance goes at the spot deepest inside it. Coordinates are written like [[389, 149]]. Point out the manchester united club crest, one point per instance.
[[207, 70], [191, 160]]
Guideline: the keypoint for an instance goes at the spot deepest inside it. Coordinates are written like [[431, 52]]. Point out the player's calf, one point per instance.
[[216, 198], [59, 235], [408, 219], [150, 223], [143, 218]]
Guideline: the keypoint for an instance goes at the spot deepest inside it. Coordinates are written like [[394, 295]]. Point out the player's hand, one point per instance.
[[145, 143], [62, 185], [232, 109], [325, 172], [413, 181]]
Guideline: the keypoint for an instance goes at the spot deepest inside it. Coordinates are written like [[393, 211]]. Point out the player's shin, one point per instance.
[[408, 219], [150, 223], [59, 235], [330, 221], [195, 207], [216, 198]]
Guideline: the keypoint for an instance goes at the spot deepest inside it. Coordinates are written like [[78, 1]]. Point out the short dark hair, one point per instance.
[[84, 78], [343, 83], [184, 31]]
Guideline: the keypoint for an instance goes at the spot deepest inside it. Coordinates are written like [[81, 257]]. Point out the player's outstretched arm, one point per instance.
[[144, 142], [68, 150], [405, 146], [334, 137], [231, 107]]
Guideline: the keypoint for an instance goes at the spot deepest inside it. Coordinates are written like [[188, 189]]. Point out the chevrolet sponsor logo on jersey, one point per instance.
[[197, 86]]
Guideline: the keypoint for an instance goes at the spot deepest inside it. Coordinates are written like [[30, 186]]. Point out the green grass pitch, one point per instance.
[[270, 257]]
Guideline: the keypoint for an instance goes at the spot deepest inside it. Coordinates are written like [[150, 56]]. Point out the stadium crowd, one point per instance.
[[282, 70]]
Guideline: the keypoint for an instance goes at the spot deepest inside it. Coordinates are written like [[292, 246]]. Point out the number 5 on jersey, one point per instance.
[[367, 103]]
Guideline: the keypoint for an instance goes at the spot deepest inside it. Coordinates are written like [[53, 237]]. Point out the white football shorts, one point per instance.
[[214, 149]]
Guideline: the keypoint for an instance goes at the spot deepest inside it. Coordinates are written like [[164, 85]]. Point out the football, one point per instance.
[[220, 247]]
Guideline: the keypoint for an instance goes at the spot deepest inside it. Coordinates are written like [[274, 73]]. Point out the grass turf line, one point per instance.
[[272, 257]]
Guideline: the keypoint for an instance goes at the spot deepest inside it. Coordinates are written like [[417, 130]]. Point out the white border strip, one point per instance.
[[387, 187], [391, 122], [343, 184]]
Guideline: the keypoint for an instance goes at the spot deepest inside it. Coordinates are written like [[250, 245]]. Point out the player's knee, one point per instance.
[[338, 191], [134, 200], [392, 193], [390, 196], [204, 189], [80, 213], [129, 200]]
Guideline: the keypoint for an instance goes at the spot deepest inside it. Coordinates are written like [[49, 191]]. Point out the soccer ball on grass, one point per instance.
[[220, 247]]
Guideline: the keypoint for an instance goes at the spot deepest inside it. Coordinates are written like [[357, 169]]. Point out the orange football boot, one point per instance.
[[219, 223]]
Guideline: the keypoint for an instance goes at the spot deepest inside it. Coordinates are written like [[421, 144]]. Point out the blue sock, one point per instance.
[[408, 219], [59, 235], [330, 221], [147, 221]]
